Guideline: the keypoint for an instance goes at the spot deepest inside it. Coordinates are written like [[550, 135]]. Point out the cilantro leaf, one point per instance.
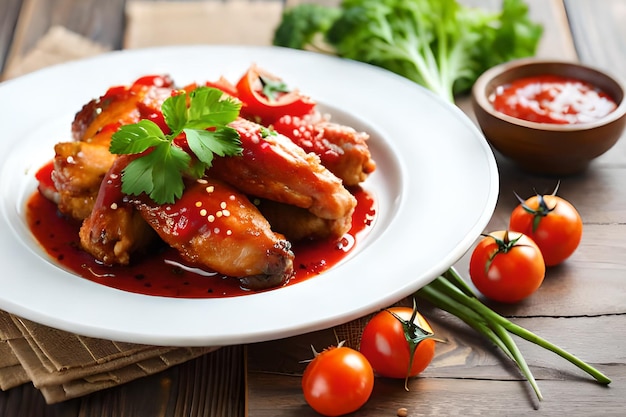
[[208, 108], [205, 143], [136, 138], [174, 111], [160, 172]]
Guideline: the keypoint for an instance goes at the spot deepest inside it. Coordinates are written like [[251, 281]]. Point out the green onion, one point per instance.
[[451, 293]]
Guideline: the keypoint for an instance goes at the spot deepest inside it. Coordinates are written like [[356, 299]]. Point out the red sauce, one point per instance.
[[552, 99], [164, 273]]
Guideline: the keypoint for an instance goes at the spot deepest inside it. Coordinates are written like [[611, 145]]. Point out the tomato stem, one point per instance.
[[414, 335]]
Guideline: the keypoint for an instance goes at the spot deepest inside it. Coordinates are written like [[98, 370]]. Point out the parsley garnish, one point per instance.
[[159, 173]]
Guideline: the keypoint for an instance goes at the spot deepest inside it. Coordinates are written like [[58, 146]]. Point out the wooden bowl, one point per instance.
[[548, 148]]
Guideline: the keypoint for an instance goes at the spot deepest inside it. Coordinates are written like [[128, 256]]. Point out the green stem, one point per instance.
[[501, 336], [451, 293], [442, 301]]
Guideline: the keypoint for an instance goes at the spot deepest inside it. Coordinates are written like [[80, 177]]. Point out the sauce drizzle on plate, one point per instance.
[[164, 273]]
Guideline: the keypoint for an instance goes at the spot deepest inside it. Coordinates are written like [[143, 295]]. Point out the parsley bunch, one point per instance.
[[160, 170]]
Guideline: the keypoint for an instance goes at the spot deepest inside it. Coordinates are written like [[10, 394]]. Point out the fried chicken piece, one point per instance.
[[299, 224], [274, 167], [121, 106], [79, 168], [214, 226], [342, 149], [114, 230]]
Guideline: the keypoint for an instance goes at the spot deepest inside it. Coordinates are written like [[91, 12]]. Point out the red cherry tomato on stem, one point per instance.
[[552, 222], [338, 381], [507, 266], [266, 96], [398, 343]]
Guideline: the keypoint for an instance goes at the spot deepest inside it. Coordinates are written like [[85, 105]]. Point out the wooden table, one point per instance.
[[581, 305]]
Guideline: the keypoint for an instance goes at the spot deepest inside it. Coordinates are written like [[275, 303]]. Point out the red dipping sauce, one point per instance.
[[552, 99]]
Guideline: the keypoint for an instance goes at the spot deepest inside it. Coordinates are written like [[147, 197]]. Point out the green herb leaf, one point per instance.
[[160, 172], [205, 143], [136, 138], [440, 44]]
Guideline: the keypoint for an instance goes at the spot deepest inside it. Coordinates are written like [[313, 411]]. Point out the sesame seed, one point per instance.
[[216, 230], [229, 232], [210, 189], [198, 203], [223, 205], [202, 181], [203, 212], [226, 213], [113, 206], [211, 218]]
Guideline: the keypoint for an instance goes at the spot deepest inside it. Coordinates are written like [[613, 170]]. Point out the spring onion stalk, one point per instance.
[[451, 293]]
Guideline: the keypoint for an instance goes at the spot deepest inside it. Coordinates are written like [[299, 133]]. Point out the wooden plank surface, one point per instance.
[[9, 10]]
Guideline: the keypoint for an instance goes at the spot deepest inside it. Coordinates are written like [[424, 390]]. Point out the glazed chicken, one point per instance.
[[214, 225], [114, 230], [273, 167], [342, 149], [300, 224], [80, 166]]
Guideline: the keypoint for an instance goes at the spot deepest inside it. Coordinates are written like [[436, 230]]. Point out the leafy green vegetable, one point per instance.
[[439, 44], [301, 24], [159, 172]]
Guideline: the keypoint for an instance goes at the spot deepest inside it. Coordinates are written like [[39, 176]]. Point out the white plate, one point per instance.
[[436, 187]]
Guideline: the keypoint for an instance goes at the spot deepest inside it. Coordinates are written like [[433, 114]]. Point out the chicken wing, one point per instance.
[[342, 149], [274, 167], [121, 105], [216, 227], [299, 224], [114, 230], [79, 168]]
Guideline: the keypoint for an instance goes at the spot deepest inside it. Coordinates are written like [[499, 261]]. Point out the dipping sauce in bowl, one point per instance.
[[552, 99], [549, 117]]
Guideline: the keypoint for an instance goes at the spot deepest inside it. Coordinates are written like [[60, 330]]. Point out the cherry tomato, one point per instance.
[[552, 222], [386, 342], [507, 266], [266, 96], [338, 381]]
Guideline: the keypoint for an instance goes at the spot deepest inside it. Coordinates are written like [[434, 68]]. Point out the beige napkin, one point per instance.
[[65, 365]]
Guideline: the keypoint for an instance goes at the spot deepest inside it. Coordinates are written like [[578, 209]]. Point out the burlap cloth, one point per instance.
[[64, 365]]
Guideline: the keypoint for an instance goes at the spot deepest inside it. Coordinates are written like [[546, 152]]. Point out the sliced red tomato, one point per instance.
[[338, 381], [267, 97]]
